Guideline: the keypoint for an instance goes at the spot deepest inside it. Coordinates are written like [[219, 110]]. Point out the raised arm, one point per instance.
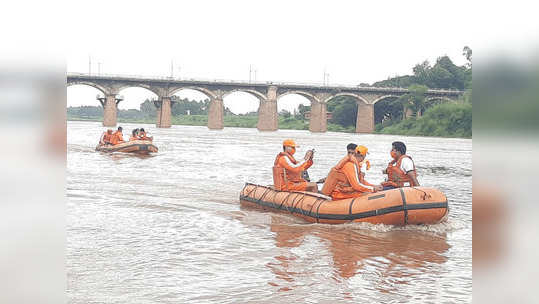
[[285, 163]]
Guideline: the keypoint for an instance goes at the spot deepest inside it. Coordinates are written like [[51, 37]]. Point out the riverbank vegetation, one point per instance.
[[410, 114]]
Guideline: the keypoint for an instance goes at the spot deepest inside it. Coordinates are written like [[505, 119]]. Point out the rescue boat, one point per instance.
[[135, 146], [401, 206]]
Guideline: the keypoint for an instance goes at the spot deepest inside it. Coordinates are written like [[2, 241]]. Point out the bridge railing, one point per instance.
[[247, 82]]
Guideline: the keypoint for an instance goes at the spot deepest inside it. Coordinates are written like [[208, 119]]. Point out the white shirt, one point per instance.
[[407, 165]]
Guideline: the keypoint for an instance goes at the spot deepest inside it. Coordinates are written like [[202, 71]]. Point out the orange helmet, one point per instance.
[[289, 143], [362, 150]]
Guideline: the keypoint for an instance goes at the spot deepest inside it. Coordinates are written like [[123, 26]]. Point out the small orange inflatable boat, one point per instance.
[[401, 206], [135, 146]]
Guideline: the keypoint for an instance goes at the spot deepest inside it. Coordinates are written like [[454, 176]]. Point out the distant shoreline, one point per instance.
[[203, 123]]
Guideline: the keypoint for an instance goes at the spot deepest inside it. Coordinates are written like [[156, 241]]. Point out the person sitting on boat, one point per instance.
[[347, 178], [143, 136], [287, 171], [106, 138], [134, 135], [117, 137], [401, 170]]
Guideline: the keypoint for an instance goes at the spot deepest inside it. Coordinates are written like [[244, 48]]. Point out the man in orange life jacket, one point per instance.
[[401, 170], [117, 137], [106, 138], [287, 171], [347, 178]]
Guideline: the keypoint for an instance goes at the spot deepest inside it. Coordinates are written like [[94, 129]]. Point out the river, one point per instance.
[[169, 228]]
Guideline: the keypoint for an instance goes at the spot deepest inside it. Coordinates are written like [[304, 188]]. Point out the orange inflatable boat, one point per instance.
[[401, 206], [135, 146]]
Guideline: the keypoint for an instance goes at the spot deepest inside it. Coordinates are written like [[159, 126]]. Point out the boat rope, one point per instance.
[[263, 195], [318, 211], [311, 210], [254, 188], [425, 194], [285, 200], [296, 204]]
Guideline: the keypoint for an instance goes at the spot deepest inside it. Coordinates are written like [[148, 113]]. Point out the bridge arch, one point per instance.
[[134, 96], [254, 93], [138, 85], [384, 97], [103, 89], [357, 97], [309, 96], [207, 92]]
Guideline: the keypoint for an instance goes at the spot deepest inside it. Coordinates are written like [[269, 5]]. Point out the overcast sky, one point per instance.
[[292, 41]]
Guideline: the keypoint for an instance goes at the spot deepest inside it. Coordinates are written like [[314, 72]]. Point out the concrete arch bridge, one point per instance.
[[268, 94]]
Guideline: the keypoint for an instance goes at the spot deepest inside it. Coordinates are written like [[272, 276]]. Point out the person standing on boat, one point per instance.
[[401, 170], [117, 137], [346, 179], [287, 170]]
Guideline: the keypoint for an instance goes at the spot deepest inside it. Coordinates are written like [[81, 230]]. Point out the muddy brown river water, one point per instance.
[[168, 228]]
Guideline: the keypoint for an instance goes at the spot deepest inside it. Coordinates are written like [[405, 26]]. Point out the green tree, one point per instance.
[[467, 52], [301, 111], [344, 109], [285, 113], [148, 108], [415, 99]]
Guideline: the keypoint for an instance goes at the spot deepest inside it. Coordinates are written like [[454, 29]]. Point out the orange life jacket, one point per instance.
[[395, 176], [281, 176], [107, 137], [116, 138], [336, 179]]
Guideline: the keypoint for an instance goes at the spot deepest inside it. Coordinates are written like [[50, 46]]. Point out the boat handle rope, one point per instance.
[[311, 210], [263, 195], [285, 201], [251, 190], [425, 194], [300, 200], [292, 204]]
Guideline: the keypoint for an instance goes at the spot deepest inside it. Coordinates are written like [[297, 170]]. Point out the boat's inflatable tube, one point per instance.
[[135, 146], [408, 205]]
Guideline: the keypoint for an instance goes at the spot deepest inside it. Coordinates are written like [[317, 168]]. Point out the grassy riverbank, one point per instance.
[[229, 121], [443, 120]]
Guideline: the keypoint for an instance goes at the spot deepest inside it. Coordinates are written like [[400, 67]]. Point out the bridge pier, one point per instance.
[[110, 111], [318, 121], [408, 113], [365, 118], [164, 113], [268, 118], [215, 114]]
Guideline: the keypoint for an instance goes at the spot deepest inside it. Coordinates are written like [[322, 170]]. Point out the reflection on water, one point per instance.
[[169, 227], [377, 257]]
